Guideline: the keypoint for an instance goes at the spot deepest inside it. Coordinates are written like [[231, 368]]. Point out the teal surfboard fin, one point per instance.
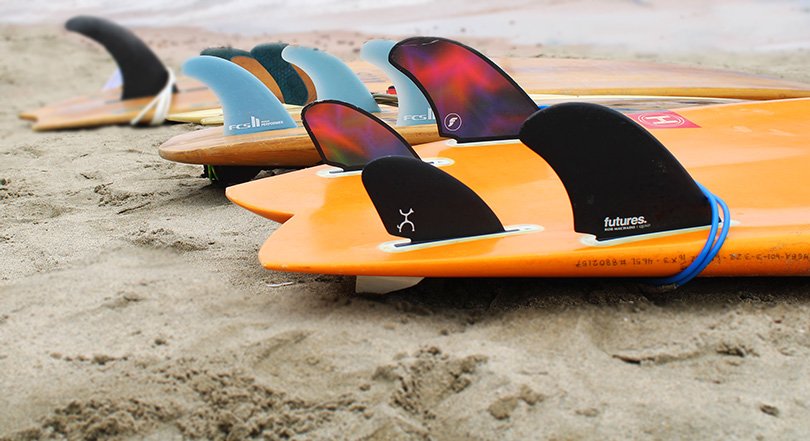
[[333, 79], [414, 108], [225, 52], [289, 81], [247, 104]]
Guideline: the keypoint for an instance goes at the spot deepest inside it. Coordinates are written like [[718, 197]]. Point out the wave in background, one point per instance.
[[665, 25]]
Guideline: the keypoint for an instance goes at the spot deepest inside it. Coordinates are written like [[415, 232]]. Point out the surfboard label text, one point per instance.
[[626, 223], [253, 123]]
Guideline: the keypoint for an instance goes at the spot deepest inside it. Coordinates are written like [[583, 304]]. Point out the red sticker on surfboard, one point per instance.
[[662, 120]]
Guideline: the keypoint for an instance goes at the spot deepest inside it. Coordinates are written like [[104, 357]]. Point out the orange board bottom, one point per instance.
[[756, 156]]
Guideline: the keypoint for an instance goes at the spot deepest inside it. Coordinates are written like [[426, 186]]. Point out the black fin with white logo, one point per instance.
[[142, 71], [621, 181], [348, 137], [473, 99], [418, 201]]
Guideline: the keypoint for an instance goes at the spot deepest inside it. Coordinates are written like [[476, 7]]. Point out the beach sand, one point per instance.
[[132, 305]]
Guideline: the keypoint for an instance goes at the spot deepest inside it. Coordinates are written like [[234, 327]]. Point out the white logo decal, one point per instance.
[[254, 122], [452, 122], [429, 116], [625, 223], [406, 221], [663, 120]]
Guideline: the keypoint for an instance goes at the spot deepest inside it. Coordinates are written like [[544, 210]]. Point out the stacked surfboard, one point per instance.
[[572, 190], [439, 162]]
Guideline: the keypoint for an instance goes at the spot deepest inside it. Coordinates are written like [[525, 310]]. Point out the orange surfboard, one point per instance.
[[753, 155]]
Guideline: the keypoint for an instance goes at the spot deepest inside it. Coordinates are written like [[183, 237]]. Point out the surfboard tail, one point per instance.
[[621, 181], [472, 98], [142, 71], [349, 137]]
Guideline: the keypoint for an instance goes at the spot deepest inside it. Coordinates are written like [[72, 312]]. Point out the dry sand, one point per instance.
[[132, 306]]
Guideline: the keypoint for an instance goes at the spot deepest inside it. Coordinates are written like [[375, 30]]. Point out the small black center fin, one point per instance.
[[348, 137], [473, 99], [142, 71], [621, 181], [420, 202]]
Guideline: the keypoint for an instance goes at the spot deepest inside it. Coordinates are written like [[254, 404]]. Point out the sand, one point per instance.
[[132, 305]]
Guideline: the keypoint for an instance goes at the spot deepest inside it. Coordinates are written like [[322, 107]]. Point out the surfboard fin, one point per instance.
[[621, 181], [142, 71], [333, 79], [249, 63], [348, 137], [247, 104], [418, 201], [295, 84], [414, 108], [473, 99], [226, 52]]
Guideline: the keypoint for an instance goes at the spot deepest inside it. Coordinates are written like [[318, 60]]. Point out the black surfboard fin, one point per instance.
[[296, 85], [621, 181], [473, 99], [142, 71], [348, 137], [418, 201]]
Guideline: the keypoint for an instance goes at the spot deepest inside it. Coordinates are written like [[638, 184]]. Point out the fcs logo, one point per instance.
[[254, 122], [452, 122], [429, 116], [406, 221]]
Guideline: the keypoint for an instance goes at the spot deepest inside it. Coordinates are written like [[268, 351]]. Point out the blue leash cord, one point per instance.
[[710, 249]]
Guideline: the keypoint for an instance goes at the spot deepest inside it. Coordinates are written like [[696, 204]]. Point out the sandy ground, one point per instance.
[[132, 306]]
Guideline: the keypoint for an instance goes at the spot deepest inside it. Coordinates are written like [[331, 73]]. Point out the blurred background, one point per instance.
[[670, 26]]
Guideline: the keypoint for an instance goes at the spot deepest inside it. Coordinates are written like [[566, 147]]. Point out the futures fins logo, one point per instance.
[[254, 122], [452, 122], [626, 223], [406, 221]]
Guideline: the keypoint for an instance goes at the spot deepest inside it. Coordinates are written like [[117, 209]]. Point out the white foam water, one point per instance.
[[642, 25]]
